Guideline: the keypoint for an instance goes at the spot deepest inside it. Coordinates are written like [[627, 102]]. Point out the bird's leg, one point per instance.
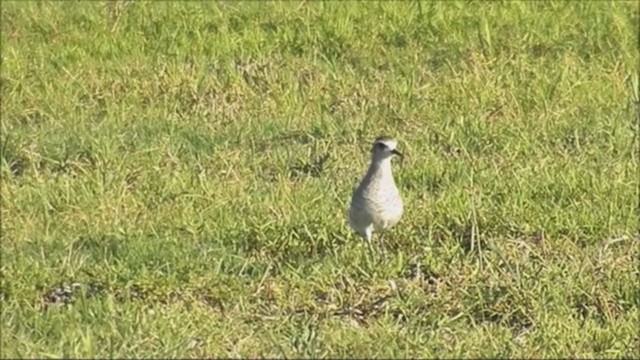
[[368, 234]]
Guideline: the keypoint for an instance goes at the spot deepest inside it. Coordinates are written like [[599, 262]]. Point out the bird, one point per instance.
[[376, 204]]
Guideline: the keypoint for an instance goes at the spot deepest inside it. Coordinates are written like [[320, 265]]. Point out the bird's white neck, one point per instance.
[[381, 168]]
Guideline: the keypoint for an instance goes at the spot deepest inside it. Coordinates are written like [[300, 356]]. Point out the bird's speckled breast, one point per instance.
[[376, 201]]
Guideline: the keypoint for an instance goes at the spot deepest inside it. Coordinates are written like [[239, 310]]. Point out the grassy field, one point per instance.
[[175, 179]]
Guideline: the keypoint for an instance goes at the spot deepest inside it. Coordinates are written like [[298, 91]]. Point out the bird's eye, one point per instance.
[[381, 146]]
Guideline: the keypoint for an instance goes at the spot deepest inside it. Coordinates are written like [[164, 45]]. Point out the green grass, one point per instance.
[[168, 157]]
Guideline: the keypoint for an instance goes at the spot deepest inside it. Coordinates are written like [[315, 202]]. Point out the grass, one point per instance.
[[188, 167]]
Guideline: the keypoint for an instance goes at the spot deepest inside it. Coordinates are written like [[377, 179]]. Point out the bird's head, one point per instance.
[[384, 147]]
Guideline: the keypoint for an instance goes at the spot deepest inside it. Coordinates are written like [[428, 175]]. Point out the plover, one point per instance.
[[376, 204]]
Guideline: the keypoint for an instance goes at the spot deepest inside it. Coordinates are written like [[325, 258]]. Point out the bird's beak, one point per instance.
[[396, 152]]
